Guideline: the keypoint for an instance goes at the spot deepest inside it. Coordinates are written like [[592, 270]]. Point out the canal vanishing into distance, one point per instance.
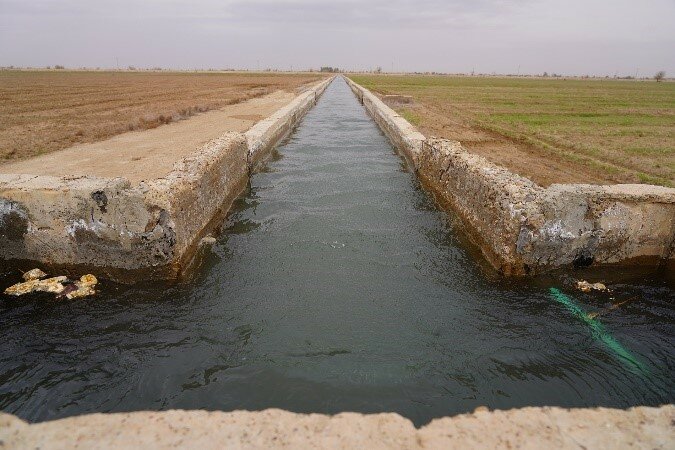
[[338, 285]]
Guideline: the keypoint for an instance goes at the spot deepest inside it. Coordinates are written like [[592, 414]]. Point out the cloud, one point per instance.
[[572, 36], [336, 13]]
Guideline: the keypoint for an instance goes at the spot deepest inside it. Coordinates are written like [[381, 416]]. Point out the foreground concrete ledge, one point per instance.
[[522, 228], [125, 232], [528, 428]]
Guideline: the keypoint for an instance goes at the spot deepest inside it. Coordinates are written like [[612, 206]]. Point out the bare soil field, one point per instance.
[[549, 130], [148, 154], [45, 111]]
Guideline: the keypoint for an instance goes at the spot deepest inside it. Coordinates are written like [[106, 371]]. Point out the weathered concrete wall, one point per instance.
[[527, 428], [126, 232], [109, 225], [523, 228], [264, 135]]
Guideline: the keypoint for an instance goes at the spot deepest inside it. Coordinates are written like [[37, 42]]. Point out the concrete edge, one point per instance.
[[530, 427], [264, 135], [522, 228]]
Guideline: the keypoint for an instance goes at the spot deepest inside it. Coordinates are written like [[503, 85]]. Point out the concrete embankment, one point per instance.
[[147, 229], [523, 228], [533, 428]]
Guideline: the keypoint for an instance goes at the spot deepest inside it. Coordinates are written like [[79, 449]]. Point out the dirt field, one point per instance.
[[550, 130], [147, 154], [45, 111]]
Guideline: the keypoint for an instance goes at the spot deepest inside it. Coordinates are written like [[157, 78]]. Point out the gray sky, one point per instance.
[[600, 37]]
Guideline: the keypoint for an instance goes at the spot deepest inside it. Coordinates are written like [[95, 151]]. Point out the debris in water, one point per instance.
[[585, 286], [207, 240], [47, 285], [614, 306], [34, 274], [56, 285], [597, 330], [82, 288]]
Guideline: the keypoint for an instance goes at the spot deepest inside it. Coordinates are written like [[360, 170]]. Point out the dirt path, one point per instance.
[[144, 155]]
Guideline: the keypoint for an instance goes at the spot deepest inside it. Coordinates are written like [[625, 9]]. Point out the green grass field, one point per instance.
[[623, 130]]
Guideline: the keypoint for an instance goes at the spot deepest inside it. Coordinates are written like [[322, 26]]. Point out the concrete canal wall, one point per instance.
[[523, 228], [126, 231]]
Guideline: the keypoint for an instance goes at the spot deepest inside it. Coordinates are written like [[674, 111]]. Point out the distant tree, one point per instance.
[[378, 69], [545, 75], [660, 75], [59, 67]]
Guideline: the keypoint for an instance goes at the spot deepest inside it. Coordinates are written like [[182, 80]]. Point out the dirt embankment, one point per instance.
[[45, 111]]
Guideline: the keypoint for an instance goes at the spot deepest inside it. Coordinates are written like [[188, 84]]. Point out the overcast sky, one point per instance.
[[601, 37]]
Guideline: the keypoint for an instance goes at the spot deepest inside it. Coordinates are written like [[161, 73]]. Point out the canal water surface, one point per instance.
[[338, 285]]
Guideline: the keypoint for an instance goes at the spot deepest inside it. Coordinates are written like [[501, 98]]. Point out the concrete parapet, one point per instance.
[[522, 228], [527, 428]]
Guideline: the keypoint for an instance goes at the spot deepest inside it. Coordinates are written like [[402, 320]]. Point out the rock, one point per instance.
[[208, 240], [48, 285], [34, 274], [82, 288], [585, 286]]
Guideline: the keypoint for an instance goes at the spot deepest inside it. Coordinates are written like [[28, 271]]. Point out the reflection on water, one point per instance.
[[336, 285]]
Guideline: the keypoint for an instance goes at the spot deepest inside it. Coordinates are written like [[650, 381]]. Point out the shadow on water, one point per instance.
[[337, 285]]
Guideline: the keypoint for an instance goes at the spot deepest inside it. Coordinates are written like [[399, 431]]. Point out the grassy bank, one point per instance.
[[552, 130]]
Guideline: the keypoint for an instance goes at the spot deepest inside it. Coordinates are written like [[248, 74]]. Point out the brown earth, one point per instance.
[[442, 120], [526, 428], [149, 154], [45, 111], [519, 157]]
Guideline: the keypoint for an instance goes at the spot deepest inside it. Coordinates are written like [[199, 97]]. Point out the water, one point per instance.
[[336, 285]]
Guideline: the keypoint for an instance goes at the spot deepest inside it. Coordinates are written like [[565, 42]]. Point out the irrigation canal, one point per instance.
[[337, 285]]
